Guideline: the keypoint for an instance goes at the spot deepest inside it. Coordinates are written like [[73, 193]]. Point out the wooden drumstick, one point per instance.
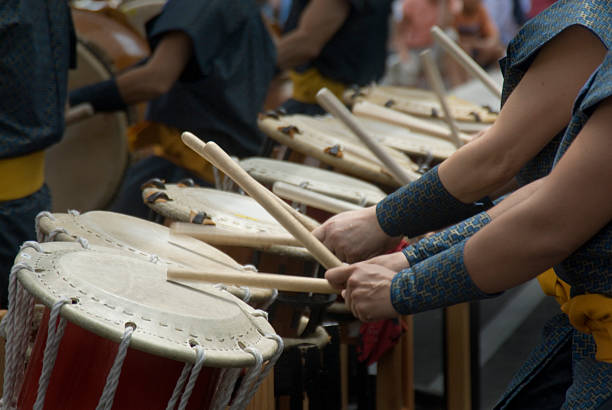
[[260, 280], [265, 198], [368, 110], [215, 236], [465, 60], [78, 112], [311, 198], [333, 105], [308, 223], [435, 80]]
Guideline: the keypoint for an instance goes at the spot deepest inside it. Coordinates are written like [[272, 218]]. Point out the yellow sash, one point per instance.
[[589, 313], [307, 84], [165, 142], [21, 176]]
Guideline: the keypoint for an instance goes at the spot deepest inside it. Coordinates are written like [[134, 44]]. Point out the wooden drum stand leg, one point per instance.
[[394, 380], [264, 397], [458, 382]]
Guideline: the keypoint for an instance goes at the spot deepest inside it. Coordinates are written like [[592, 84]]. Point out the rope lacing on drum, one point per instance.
[[225, 388], [195, 372], [39, 235], [55, 332], [242, 396], [112, 380], [268, 367], [84, 242], [73, 212], [55, 232], [271, 300], [260, 313], [154, 259], [363, 200], [31, 244], [246, 298], [16, 326], [250, 267]]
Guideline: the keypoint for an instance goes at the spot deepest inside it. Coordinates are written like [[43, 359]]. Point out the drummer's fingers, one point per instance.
[[337, 277]]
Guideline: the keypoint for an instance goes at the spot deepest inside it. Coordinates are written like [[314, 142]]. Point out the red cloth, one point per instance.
[[378, 337]]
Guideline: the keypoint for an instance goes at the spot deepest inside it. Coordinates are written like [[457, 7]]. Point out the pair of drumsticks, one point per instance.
[[294, 222]]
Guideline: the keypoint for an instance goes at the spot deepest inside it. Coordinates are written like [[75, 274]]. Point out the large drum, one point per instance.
[[225, 214], [150, 241], [119, 335], [328, 140], [138, 12], [84, 170]]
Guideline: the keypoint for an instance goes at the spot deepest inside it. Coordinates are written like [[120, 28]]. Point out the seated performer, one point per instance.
[[561, 219], [37, 48], [333, 44], [209, 72]]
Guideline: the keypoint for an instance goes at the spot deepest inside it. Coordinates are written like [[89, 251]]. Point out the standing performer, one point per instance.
[[333, 44], [208, 73], [36, 49], [563, 219]]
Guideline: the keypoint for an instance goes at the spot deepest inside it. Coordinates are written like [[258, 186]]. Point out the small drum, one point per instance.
[[84, 170], [148, 240], [422, 103], [229, 212], [177, 346], [328, 140]]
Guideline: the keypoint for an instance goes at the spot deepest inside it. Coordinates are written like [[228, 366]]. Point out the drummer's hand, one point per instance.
[[395, 261], [367, 289], [354, 236]]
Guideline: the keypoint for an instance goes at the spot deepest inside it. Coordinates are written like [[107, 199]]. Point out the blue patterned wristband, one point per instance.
[[103, 96], [441, 280], [423, 206], [443, 240]]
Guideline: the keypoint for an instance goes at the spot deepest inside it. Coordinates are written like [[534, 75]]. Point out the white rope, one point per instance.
[[195, 372], [31, 244], [178, 388], [247, 294], [260, 313], [240, 401], [55, 332], [73, 212], [225, 388], [218, 184], [112, 380], [271, 300], [84, 242], [54, 233], [154, 259], [16, 325], [39, 235], [269, 366], [250, 267], [362, 200]]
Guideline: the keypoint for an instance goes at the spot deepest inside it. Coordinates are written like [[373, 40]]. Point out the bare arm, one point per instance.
[[572, 204], [533, 114], [320, 20], [159, 73]]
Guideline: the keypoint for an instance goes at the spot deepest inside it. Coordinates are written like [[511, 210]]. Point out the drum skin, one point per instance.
[[84, 170]]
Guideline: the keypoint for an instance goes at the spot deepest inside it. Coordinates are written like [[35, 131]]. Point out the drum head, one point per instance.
[[147, 239], [84, 170], [319, 180], [110, 289]]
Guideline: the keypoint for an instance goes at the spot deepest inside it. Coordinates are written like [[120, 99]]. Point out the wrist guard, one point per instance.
[[439, 281], [103, 96], [422, 206], [445, 239]]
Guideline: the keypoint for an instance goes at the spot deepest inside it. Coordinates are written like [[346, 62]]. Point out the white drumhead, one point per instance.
[[149, 240], [138, 12], [114, 288], [84, 170], [319, 180]]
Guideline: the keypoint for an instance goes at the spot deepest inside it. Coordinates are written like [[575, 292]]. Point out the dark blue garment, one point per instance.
[[356, 54], [16, 227], [36, 41], [595, 15], [224, 86]]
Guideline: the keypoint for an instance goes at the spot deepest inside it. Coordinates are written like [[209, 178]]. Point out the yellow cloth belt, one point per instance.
[[589, 313], [307, 84], [21, 176], [165, 142]]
